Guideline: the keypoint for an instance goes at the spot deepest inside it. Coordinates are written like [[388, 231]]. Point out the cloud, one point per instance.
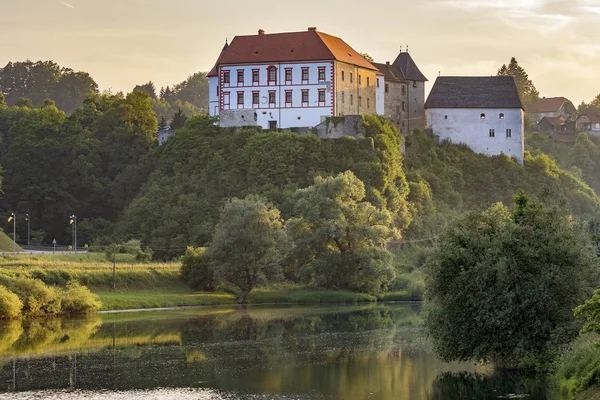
[[66, 4]]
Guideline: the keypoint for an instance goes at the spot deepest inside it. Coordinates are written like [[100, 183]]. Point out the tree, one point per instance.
[[147, 88], [592, 105], [525, 86], [197, 269], [179, 119], [501, 286], [248, 244], [367, 57], [339, 237], [163, 124]]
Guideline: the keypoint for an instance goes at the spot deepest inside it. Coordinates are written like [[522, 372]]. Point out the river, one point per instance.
[[330, 352]]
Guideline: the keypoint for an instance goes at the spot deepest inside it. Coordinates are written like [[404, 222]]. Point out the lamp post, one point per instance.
[[28, 229], [14, 221], [74, 223]]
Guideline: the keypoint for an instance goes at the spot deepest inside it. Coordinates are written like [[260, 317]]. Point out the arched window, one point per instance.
[[482, 116], [501, 115], [272, 75]]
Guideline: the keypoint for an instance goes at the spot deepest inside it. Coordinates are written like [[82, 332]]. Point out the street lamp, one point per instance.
[[73, 222], [28, 229], [12, 218]]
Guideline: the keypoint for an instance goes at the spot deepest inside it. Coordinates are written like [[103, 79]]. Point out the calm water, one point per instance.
[[370, 352]]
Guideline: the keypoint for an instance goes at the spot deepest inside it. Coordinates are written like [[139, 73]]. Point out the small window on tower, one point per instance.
[[492, 133], [482, 116], [509, 133], [501, 115]]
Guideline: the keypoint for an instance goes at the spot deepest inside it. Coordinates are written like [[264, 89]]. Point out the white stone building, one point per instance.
[[485, 113], [291, 80]]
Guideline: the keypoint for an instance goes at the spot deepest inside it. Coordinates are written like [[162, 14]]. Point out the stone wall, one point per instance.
[[352, 97], [337, 127], [393, 104], [241, 117]]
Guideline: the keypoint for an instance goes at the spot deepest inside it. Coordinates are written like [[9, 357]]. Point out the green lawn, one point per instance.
[[6, 243]]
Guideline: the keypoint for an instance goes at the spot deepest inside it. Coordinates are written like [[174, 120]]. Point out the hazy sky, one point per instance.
[[122, 43]]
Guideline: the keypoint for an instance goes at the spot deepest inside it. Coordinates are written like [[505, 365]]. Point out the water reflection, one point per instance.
[[377, 352]]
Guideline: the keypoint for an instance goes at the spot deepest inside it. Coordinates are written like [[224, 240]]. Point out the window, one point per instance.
[[226, 100], [360, 101], [351, 77], [288, 75], [272, 75], [368, 103], [288, 97], [304, 75], [368, 82], [240, 99], [360, 79], [351, 99], [343, 76], [271, 98], [387, 88], [255, 76], [343, 98], [482, 116], [226, 77], [403, 90], [403, 106], [509, 133], [240, 77], [321, 74], [217, 90], [377, 82], [445, 117], [321, 96], [255, 98], [501, 116], [305, 97], [492, 133]]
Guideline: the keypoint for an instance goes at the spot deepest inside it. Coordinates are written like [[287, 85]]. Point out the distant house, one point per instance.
[[404, 92], [589, 121], [291, 80], [556, 124], [485, 113], [553, 107]]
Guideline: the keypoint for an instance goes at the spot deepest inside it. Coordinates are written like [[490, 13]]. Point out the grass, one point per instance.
[[6, 243], [578, 371], [157, 285]]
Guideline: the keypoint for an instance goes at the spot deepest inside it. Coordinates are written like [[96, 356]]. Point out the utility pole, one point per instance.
[[73, 222], [14, 221], [28, 229]]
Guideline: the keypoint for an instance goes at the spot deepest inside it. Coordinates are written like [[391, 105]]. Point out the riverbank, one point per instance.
[[156, 285]]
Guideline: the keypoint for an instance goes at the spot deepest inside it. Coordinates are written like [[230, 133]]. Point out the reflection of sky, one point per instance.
[[124, 43]]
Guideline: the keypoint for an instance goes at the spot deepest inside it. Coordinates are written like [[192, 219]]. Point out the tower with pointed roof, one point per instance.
[[404, 92]]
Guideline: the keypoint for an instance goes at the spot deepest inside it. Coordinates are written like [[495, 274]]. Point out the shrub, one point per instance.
[[196, 269], [10, 304], [143, 256], [37, 298], [78, 299]]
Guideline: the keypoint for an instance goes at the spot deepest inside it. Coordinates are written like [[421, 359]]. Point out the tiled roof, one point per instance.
[[554, 121], [309, 45], [592, 115], [474, 92], [409, 69], [550, 104], [391, 73]]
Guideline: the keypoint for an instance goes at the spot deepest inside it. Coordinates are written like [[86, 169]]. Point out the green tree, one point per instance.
[[197, 269], [367, 57], [249, 244], [339, 238], [525, 86], [501, 286], [179, 119], [147, 88]]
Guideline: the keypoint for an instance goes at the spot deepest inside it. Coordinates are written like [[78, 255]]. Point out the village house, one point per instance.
[[404, 93], [485, 113], [291, 80], [589, 121], [552, 107]]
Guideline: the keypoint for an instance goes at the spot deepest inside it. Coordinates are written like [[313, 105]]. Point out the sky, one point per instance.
[[122, 43]]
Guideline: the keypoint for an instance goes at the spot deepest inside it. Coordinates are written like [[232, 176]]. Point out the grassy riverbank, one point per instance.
[[158, 285]]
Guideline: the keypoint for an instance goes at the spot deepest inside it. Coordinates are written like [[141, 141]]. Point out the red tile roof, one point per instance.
[[309, 45], [550, 104]]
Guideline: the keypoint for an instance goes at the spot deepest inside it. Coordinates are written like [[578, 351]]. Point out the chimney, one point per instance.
[[261, 32], [312, 29], [387, 63]]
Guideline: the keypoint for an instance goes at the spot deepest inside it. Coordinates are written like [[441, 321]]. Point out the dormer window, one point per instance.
[[501, 115], [482, 116]]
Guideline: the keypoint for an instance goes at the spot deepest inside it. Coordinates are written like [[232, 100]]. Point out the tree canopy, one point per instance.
[[525, 86], [501, 285]]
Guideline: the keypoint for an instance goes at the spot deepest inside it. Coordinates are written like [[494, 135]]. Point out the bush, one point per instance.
[[196, 269], [37, 298], [143, 256], [78, 299], [10, 304]]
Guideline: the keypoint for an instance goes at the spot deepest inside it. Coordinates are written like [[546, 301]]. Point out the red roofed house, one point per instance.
[[589, 121], [287, 80], [556, 107]]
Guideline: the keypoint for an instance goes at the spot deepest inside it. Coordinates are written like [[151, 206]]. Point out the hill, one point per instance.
[[6, 243]]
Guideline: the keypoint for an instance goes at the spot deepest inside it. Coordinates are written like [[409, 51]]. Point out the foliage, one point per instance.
[[191, 96], [147, 88], [502, 286], [339, 238], [593, 105], [591, 311], [45, 80], [367, 57], [10, 304], [78, 299], [38, 299], [249, 244], [578, 369], [197, 270], [525, 86]]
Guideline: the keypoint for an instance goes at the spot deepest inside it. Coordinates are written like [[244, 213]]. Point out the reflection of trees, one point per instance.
[[464, 385]]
